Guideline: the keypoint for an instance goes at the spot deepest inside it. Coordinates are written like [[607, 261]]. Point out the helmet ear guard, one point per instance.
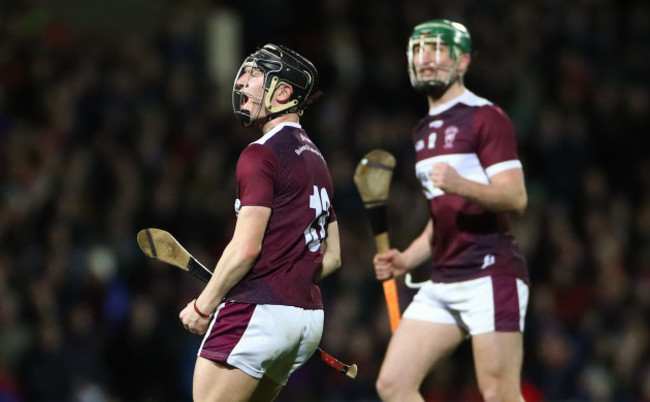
[[279, 65], [269, 96]]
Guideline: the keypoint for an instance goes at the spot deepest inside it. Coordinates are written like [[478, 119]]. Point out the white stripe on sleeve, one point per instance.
[[502, 167]]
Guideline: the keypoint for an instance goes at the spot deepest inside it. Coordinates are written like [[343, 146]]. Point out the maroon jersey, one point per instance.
[[286, 172], [477, 139]]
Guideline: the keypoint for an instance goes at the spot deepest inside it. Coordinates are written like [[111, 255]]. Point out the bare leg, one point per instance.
[[498, 357], [266, 391], [413, 350], [224, 383]]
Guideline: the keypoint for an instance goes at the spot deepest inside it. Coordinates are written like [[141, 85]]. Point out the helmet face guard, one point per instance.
[[436, 36], [279, 65], [241, 96]]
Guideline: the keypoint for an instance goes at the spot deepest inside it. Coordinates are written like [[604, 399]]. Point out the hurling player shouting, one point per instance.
[[262, 313]]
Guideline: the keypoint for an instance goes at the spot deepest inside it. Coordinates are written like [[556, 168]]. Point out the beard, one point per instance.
[[436, 88], [433, 89]]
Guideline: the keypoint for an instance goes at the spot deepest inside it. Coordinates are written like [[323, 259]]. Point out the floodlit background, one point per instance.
[[116, 116]]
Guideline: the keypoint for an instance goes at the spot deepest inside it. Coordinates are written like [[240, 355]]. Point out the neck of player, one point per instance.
[[286, 118], [454, 91]]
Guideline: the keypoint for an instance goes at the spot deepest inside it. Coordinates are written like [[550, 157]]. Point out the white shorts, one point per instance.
[[263, 339], [486, 304]]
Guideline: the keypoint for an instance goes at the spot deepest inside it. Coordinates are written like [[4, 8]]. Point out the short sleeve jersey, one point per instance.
[[476, 138], [286, 172]]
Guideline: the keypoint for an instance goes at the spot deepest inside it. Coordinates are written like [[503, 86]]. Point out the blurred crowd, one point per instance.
[[108, 127]]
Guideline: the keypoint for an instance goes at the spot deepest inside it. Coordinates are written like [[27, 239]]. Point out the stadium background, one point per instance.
[[115, 116]]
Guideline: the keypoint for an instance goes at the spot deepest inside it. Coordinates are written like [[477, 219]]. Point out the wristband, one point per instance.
[[199, 312]]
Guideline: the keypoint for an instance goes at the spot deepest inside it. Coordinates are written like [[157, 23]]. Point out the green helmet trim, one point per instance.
[[436, 33], [453, 34]]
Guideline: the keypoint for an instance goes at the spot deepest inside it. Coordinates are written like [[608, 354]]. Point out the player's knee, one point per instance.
[[385, 388], [389, 389], [500, 391], [382, 386], [491, 395]]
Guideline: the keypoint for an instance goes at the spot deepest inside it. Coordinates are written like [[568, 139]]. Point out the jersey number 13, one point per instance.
[[319, 201]]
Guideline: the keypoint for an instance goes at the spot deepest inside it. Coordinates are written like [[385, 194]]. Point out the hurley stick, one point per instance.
[[162, 246], [372, 178]]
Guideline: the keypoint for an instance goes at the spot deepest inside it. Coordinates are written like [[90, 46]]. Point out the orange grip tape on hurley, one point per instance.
[[392, 302], [390, 286]]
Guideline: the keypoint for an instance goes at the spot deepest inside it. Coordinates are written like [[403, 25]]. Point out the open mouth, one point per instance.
[[244, 99], [427, 72]]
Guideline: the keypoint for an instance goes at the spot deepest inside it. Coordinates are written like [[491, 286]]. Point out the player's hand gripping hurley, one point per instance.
[[162, 246], [372, 178]]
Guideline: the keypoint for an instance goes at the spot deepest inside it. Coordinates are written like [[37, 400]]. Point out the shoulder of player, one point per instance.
[[482, 105], [491, 114], [256, 152], [275, 143], [266, 144], [256, 159]]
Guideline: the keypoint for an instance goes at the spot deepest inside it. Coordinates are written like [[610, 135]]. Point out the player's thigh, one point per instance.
[[221, 382], [489, 304], [498, 356], [263, 340], [267, 390], [414, 349]]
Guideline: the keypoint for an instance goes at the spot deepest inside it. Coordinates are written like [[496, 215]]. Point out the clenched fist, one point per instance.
[[445, 177], [192, 321], [389, 264]]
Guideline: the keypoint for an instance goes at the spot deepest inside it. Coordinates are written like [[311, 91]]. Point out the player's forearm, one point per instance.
[[331, 249], [331, 262], [495, 197], [420, 249], [233, 265]]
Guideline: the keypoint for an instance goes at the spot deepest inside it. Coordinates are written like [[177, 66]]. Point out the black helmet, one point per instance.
[[279, 64]]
